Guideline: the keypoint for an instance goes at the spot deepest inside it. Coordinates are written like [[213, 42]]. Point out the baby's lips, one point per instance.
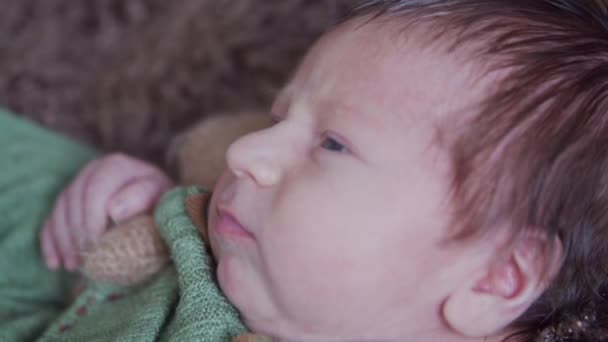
[[229, 223]]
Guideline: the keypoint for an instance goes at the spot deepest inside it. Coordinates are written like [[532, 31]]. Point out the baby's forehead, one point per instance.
[[375, 68]]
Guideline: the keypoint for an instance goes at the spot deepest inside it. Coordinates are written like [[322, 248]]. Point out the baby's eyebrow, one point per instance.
[[364, 117]]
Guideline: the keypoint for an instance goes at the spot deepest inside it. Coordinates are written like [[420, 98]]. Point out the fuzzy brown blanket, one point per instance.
[[128, 75]]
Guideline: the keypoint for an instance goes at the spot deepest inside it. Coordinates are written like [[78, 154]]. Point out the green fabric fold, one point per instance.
[[35, 165]]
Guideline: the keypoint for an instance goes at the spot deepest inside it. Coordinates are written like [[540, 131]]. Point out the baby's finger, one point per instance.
[[62, 235], [137, 197], [48, 249], [75, 198], [115, 172]]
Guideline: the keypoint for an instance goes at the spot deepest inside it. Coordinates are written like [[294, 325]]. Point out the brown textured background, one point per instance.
[[129, 74]]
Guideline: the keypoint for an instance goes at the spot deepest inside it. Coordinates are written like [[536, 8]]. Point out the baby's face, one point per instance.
[[330, 223]]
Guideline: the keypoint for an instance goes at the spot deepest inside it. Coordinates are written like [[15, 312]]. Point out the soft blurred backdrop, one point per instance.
[[129, 74]]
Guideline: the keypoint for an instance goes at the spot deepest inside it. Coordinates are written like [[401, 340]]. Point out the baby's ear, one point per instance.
[[507, 288]]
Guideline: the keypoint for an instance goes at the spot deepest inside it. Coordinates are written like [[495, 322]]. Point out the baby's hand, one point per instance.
[[108, 190]]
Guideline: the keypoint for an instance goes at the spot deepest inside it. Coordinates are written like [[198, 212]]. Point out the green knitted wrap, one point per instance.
[[35, 166], [181, 303]]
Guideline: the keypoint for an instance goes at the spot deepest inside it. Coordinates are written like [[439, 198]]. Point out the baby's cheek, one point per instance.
[[228, 277], [314, 280]]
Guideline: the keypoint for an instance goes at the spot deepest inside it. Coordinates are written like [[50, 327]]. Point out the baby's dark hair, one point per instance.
[[536, 153]]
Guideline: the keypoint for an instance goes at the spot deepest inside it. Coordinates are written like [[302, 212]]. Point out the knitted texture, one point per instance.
[[202, 311], [36, 164], [181, 303], [128, 254]]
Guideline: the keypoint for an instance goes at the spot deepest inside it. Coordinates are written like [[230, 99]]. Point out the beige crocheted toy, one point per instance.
[[129, 253]]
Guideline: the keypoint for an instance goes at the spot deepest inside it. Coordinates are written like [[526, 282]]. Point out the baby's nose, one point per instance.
[[256, 157]]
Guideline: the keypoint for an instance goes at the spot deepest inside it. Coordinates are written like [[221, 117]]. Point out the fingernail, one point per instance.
[[116, 211]]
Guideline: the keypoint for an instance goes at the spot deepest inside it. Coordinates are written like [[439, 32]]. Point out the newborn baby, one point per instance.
[[415, 186]]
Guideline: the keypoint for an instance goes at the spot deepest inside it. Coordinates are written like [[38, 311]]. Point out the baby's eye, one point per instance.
[[333, 145]]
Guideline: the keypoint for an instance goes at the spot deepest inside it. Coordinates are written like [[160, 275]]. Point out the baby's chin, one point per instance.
[[256, 311]]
